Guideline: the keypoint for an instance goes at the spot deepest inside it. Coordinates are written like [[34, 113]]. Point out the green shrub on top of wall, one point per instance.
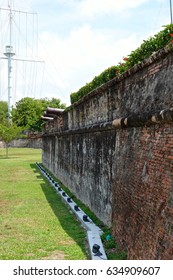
[[147, 48]]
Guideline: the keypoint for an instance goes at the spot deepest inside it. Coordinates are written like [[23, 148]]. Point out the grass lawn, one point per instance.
[[34, 222]]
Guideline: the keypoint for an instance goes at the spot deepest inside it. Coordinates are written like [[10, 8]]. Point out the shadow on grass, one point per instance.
[[68, 224], [8, 158], [38, 174], [11, 155]]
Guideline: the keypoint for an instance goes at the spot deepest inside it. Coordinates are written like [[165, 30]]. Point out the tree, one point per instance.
[[9, 133], [3, 112], [28, 112], [54, 103]]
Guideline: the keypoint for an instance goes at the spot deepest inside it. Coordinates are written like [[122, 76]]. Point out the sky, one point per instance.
[[74, 41]]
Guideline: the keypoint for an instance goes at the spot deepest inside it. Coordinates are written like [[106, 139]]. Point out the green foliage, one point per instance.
[[8, 133], [28, 112], [111, 247], [150, 46], [53, 102], [104, 77], [3, 112], [117, 256], [147, 48]]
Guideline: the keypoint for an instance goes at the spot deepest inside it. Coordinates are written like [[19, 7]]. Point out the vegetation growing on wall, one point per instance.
[[147, 48]]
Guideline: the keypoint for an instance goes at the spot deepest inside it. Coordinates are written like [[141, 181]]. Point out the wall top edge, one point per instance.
[[138, 67]]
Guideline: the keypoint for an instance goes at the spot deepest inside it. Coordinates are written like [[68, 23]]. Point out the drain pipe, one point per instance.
[[94, 233]]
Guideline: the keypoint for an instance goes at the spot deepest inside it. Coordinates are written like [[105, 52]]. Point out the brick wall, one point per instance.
[[114, 150], [143, 192]]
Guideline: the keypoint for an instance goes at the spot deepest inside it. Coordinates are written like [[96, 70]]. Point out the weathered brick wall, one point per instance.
[[144, 88], [114, 150], [84, 162], [143, 192]]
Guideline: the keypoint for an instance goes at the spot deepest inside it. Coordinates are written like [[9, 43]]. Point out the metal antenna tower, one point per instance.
[[9, 54], [171, 10]]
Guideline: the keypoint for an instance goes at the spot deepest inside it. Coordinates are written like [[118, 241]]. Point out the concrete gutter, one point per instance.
[[94, 233]]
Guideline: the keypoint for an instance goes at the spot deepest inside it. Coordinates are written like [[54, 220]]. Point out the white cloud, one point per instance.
[[83, 54], [97, 7]]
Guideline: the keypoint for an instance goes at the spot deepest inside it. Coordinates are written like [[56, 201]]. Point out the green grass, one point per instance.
[[112, 248], [34, 222]]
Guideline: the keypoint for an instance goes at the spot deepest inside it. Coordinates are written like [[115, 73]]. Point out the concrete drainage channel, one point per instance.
[[94, 233]]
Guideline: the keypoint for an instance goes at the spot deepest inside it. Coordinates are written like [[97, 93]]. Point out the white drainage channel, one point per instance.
[[97, 251]]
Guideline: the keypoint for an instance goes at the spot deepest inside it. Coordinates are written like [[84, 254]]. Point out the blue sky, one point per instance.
[[78, 39]]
